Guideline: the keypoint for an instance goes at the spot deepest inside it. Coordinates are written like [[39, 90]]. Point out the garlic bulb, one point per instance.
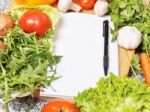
[[129, 37], [101, 8]]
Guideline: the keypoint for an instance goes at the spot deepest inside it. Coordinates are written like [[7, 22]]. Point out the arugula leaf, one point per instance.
[[24, 63]]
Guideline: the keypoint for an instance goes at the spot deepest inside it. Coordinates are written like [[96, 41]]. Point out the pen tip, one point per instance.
[[105, 72]]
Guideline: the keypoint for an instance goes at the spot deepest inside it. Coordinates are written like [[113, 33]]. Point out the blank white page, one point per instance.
[[79, 39]]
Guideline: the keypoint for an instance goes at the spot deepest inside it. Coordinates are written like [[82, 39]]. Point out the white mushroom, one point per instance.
[[101, 8], [65, 5], [129, 37]]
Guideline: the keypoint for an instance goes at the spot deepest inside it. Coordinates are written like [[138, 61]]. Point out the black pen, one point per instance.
[[106, 41]]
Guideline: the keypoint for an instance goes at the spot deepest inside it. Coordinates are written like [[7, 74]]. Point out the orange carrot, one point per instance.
[[145, 65]]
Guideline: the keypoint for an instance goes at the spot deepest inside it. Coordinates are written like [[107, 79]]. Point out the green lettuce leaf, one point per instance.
[[115, 94]]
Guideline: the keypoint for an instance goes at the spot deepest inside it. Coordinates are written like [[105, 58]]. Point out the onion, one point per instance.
[[2, 45], [6, 22]]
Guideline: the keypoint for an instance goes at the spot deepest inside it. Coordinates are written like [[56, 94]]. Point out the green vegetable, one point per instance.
[[132, 13], [136, 64], [146, 44], [23, 65], [115, 94]]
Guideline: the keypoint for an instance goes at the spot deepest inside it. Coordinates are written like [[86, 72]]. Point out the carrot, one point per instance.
[[145, 65]]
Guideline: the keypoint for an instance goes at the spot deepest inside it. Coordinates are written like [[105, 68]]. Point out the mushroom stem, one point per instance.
[[65, 5]]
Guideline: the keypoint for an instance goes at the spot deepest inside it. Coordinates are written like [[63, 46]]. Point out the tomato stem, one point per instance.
[[61, 109]]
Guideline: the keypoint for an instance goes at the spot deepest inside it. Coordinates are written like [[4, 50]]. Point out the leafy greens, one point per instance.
[[23, 65], [132, 13], [136, 64], [115, 94]]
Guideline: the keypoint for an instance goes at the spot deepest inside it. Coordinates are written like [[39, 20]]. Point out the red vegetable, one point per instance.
[[87, 4], [35, 21], [60, 106]]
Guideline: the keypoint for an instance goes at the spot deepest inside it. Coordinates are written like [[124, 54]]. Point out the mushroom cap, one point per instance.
[[101, 8], [64, 5]]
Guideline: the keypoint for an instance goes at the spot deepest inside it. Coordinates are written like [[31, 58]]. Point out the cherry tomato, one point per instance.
[[35, 21], [87, 4], [60, 106]]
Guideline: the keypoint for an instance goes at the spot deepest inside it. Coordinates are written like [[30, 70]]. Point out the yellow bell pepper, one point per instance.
[[20, 1], [35, 2]]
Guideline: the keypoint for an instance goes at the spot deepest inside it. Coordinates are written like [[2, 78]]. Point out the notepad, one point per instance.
[[79, 39]]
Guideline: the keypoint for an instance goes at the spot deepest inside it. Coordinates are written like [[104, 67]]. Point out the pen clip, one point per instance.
[[105, 28]]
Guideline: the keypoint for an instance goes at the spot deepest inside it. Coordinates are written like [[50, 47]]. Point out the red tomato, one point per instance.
[[60, 106], [87, 4], [35, 21]]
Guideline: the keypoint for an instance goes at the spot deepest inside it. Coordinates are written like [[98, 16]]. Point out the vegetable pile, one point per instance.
[[132, 13], [129, 15], [24, 62], [115, 94]]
